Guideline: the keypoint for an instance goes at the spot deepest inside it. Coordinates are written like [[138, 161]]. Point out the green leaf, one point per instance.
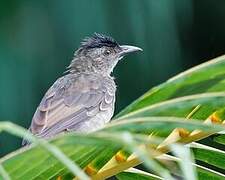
[[132, 174], [219, 139], [207, 77], [182, 107], [202, 171], [83, 149], [54, 151], [147, 125], [209, 155], [4, 174], [194, 95], [206, 173]]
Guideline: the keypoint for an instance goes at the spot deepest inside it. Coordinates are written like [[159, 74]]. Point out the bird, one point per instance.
[[83, 99]]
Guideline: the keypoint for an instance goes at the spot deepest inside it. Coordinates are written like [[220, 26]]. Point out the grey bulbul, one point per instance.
[[83, 99]]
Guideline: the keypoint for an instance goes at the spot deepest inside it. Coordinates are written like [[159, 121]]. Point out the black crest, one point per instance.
[[98, 41]]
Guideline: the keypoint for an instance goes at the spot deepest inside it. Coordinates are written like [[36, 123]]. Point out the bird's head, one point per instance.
[[99, 54]]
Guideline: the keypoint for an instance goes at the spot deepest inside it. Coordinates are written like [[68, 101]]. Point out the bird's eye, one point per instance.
[[107, 52]]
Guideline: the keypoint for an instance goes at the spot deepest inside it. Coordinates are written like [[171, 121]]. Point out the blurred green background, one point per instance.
[[38, 39]]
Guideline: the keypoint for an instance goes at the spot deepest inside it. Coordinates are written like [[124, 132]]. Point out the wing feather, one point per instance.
[[70, 102]]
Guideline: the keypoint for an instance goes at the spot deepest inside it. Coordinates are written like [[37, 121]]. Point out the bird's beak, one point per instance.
[[128, 49]]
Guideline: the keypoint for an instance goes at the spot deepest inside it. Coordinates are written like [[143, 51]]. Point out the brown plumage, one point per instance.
[[82, 100]]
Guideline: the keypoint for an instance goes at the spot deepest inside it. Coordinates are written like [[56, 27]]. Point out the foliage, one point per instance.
[[151, 131]]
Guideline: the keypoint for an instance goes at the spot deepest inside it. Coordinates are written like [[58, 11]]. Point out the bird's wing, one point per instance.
[[68, 103]]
